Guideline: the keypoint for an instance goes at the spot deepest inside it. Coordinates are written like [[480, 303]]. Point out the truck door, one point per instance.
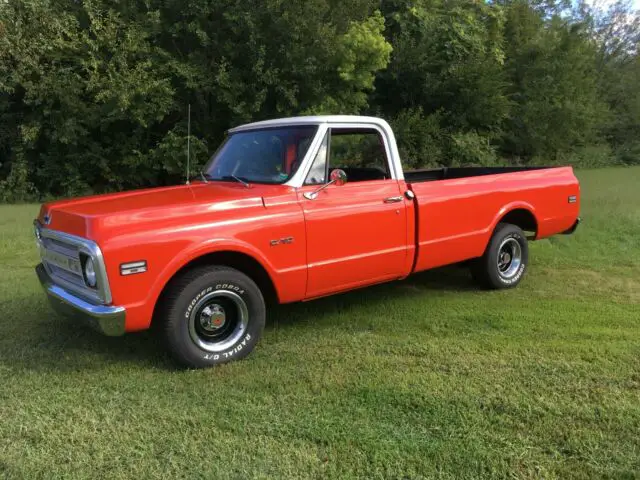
[[357, 232]]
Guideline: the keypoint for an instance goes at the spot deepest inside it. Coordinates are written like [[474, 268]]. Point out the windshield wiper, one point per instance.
[[224, 178], [246, 184], [237, 179], [203, 176]]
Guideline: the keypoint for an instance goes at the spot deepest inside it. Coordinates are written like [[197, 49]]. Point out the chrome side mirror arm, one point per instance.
[[338, 176], [313, 195]]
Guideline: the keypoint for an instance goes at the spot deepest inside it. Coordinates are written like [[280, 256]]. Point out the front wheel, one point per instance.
[[212, 315], [505, 260]]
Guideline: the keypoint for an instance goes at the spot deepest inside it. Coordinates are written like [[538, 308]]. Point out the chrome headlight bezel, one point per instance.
[[89, 271]]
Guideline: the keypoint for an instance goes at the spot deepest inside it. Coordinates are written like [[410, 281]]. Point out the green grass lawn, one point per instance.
[[429, 377]]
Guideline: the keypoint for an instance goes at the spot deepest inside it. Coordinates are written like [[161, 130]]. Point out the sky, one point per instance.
[[606, 3]]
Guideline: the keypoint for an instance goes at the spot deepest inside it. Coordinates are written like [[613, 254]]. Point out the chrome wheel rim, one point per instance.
[[218, 320], [509, 258]]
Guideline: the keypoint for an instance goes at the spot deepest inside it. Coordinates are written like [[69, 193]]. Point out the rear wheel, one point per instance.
[[212, 315], [505, 260]]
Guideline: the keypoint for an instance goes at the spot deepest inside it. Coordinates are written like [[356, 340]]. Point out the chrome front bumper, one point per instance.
[[108, 320]]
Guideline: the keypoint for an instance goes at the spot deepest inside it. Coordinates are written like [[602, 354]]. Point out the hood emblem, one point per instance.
[[47, 218]]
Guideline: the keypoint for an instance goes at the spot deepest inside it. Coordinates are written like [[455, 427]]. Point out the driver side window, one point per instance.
[[360, 152]]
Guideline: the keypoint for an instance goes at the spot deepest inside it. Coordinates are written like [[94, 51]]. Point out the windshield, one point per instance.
[[261, 156]]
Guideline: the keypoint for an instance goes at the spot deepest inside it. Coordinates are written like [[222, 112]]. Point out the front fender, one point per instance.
[[140, 309], [207, 248]]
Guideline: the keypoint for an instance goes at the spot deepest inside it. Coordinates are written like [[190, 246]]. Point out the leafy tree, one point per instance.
[[85, 87], [94, 93], [553, 84], [617, 31], [446, 65]]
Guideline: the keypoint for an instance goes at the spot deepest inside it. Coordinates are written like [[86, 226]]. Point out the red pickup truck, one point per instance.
[[287, 210]]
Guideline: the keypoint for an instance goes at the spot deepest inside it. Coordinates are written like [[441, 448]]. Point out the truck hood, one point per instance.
[[94, 216]]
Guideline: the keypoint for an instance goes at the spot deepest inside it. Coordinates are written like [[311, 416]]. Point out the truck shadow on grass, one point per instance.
[[63, 345], [454, 278], [54, 343]]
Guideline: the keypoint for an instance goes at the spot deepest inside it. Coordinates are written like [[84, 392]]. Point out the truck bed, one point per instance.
[[457, 209]]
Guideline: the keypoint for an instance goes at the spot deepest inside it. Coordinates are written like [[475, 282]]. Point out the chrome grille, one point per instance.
[[65, 275], [62, 260], [60, 247], [61, 256]]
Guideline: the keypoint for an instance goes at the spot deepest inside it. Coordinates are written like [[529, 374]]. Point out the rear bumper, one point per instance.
[[108, 320], [573, 227]]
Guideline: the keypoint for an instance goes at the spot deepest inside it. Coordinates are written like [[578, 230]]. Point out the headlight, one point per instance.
[[90, 273]]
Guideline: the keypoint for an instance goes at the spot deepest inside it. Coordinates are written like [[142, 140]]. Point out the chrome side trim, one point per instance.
[[103, 293], [109, 320]]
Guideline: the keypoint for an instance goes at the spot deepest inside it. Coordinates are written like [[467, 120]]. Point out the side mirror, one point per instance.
[[339, 177]]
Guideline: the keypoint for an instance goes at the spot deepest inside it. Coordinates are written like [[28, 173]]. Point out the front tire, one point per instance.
[[212, 315], [505, 260]]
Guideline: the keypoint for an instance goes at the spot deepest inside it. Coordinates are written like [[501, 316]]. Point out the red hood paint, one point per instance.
[[98, 216]]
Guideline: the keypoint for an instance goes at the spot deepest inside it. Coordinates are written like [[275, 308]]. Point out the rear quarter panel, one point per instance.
[[456, 217]]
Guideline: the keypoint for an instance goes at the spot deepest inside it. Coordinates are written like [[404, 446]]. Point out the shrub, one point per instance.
[[471, 149], [17, 188]]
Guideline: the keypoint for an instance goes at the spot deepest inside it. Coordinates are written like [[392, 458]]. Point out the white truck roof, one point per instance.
[[312, 120]]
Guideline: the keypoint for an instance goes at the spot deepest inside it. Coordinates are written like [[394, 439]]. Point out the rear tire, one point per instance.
[[505, 260], [212, 315]]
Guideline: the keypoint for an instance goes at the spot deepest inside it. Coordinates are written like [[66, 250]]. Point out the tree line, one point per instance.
[[94, 93]]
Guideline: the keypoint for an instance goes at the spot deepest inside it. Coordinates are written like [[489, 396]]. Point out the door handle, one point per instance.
[[393, 199]]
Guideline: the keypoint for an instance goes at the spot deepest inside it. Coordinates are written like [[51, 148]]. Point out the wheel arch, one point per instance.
[[521, 215], [236, 259]]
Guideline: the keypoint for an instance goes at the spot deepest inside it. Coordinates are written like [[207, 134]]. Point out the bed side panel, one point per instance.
[[456, 217]]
